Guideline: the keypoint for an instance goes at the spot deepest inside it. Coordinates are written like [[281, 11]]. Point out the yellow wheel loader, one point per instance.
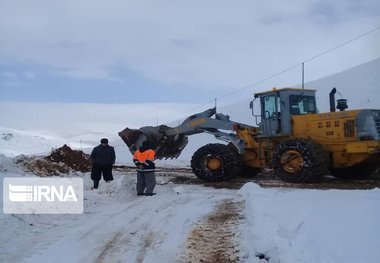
[[290, 136]]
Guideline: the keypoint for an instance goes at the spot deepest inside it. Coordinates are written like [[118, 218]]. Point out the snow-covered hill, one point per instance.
[[359, 85]]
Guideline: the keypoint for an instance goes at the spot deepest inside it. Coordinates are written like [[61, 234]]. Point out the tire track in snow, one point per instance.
[[134, 229], [110, 245], [148, 240], [141, 239], [213, 240], [109, 216], [136, 239]]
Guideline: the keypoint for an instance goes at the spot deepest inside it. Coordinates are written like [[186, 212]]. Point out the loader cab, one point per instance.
[[279, 105]]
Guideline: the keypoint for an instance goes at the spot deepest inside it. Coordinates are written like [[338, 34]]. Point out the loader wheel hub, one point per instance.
[[214, 163], [292, 161]]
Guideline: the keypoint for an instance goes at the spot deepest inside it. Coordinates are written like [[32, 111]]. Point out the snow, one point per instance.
[[284, 225], [311, 225], [116, 224]]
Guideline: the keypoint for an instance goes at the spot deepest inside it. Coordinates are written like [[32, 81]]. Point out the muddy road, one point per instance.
[[267, 178], [214, 239]]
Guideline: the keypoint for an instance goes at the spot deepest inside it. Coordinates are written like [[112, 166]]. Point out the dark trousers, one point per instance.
[[98, 170], [145, 180]]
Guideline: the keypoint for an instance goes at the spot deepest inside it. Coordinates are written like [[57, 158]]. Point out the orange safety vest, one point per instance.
[[147, 155], [141, 160]]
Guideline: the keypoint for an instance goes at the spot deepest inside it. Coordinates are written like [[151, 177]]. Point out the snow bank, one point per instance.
[[116, 226], [311, 225]]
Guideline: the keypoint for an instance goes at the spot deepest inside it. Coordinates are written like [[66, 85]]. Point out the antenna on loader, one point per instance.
[[303, 75]]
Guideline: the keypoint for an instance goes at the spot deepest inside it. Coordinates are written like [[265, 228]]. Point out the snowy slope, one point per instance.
[[14, 142], [359, 85]]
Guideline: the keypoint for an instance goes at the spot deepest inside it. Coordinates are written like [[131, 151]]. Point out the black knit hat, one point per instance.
[[104, 140], [146, 144]]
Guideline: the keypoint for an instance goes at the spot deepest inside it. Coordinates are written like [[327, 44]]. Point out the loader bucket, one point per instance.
[[165, 146]]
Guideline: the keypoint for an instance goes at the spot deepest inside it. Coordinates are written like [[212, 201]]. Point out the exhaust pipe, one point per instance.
[[332, 100]]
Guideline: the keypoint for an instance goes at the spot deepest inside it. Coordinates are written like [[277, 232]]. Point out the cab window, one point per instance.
[[301, 104], [269, 106]]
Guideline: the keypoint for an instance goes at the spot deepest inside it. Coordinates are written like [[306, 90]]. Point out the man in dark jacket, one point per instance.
[[144, 161], [102, 158]]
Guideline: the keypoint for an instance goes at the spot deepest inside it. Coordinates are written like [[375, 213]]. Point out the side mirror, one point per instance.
[[251, 105]]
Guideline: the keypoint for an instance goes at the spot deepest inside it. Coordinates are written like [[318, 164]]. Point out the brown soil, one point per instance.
[[43, 167], [213, 239], [75, 159], [60, 161]]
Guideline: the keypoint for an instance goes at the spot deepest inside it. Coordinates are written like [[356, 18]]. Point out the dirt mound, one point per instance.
[[42, 167], [74, 159], [61, 161]]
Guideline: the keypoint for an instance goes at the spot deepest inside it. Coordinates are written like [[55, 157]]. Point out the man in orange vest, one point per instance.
[[144, 161]]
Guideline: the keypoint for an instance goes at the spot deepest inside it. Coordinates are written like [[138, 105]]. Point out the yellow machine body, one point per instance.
[[336, 131]]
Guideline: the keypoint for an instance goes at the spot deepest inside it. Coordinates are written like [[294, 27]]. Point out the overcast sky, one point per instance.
[[174, 51]]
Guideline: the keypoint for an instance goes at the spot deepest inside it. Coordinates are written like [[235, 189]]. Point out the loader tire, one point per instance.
[[301, 161], [215, 162]]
